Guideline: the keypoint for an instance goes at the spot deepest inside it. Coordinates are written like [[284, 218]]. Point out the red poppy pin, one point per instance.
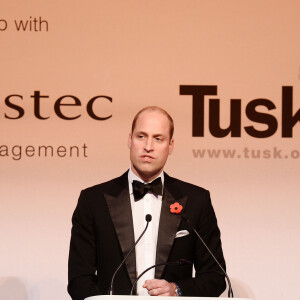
[[176, 208]]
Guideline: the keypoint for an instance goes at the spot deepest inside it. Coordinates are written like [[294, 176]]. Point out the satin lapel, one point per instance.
[[168, 226], [120, 211]]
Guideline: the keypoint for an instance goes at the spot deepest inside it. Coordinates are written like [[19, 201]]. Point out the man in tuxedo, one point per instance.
[[109, 218]]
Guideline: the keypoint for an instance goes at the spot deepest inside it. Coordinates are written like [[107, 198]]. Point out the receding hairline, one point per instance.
[[154, 108]]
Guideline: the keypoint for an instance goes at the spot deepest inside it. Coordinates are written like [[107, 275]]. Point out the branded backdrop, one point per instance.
[[74, 73]]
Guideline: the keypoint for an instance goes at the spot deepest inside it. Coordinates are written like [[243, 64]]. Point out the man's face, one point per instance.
[[150, 144]]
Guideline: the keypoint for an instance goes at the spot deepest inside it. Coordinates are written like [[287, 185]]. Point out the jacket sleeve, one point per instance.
[[209, 280], [82, 255]]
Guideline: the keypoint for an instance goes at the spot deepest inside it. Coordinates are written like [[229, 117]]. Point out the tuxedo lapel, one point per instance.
[[120, 211], [168, 224]]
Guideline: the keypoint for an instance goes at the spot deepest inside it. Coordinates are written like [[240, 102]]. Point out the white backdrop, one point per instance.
[[138, 53]]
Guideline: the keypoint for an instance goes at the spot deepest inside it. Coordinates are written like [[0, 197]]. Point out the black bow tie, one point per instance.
[[140, 189]]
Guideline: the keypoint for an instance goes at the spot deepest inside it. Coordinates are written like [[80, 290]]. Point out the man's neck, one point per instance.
[[144, 178]]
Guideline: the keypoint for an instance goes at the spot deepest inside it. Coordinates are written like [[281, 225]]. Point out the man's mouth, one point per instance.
[[147, 157]]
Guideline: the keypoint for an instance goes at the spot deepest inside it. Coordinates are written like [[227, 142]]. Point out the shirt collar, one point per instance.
[[132, 176]]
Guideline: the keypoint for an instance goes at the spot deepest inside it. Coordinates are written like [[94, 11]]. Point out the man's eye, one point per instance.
[[158, 138]]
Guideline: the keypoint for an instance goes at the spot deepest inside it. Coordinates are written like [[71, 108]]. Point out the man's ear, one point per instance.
[[171, 146], [129, 140]]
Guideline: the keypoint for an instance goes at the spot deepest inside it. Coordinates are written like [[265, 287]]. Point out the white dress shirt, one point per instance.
[[146, 248]]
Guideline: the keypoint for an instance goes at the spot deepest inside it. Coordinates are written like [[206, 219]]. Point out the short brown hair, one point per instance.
[[154, 108]]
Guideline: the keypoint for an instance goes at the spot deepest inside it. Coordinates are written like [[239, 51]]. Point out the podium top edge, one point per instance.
[[126, 297]]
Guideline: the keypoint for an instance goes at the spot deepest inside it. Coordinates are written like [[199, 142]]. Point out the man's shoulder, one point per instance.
[[110, 186], [183, 186], [198, 198]]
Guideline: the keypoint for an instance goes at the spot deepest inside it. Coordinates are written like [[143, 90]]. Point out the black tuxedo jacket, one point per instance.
[[102, 235]]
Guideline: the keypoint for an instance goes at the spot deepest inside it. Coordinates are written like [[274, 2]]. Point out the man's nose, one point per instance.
[[149, 144]]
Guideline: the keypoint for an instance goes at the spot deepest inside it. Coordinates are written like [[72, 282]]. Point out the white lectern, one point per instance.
[[118, 297]]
